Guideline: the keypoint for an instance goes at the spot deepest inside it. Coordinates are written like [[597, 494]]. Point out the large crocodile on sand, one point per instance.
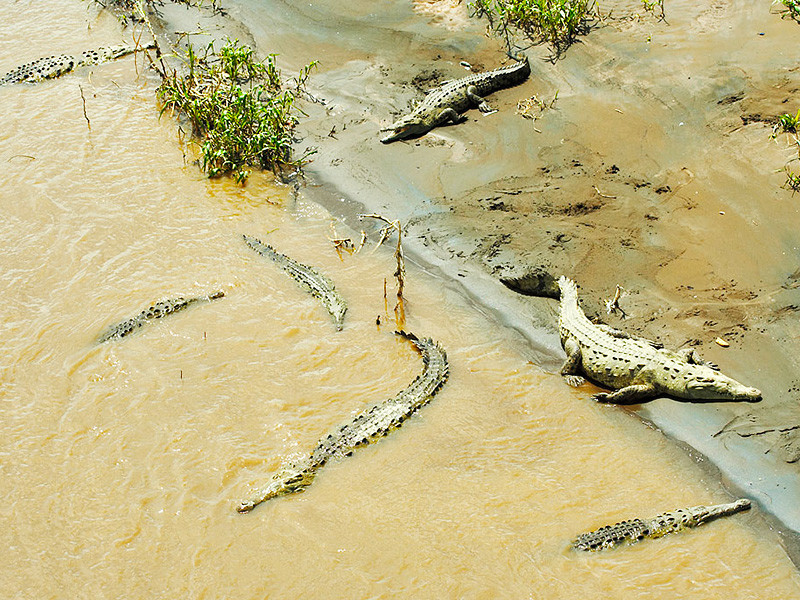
[[317, 284], [369, 425], [55, 66], [636, 530], [450, 99], [635, 367], [156, 311]]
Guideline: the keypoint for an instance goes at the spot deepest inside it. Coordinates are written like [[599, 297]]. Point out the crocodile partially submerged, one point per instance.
[[317, 284], [636, 368], [636, 530], [369, 425], [55, 66], [448, 101], [155, 311]]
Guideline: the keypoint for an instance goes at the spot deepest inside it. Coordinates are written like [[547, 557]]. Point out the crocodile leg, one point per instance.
[[572, 365], [627, 395], [691, 357], [483, 106], [448, 114], [621, 335]]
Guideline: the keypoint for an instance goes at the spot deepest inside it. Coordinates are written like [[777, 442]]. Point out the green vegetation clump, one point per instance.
[[792, 8], [556, 22], [240, 110]]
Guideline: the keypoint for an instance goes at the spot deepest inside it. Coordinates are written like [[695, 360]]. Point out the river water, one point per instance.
[[123, 463]]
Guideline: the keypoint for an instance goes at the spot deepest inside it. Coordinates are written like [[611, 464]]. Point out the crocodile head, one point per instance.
[[705, 383], [408, 127]]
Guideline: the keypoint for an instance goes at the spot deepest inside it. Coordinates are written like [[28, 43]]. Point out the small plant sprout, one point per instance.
[[792, 180], [786, 124], [655, 8]]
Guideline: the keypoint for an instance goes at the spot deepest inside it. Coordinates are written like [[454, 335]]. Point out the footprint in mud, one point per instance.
[[713, 18]]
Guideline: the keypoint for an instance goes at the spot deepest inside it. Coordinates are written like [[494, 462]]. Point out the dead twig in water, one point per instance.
[[85, 116], [159, 55], [340, 243], [400, 272]]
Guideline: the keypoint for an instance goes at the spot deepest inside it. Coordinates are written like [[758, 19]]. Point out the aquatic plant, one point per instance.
[[556, 22], [239, 108]]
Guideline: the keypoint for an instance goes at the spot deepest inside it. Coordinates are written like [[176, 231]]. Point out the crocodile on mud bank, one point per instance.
[[450, 99], [156, 311], [635, 530], [636, 368], [55, 66], [317, 284], [369, 425]]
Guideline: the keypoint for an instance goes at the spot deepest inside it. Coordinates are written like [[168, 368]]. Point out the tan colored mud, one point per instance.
[[451, 14], [122, 464]]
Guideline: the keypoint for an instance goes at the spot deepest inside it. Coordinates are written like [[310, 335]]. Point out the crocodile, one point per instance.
[[156, 311], [636, 368], [635, 530], [55, 66], [317, 284], [368, 425], [451, 98]]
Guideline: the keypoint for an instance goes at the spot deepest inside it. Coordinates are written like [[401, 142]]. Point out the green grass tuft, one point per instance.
[[792, 180], [240, 110], [556, 22], [786, 124]]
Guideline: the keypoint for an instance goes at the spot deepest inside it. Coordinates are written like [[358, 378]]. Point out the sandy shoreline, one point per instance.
[[650, 172]]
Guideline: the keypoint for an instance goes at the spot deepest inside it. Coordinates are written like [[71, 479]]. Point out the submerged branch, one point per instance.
[[400, 271]]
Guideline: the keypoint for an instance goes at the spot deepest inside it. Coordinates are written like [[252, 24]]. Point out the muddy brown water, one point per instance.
[[122, 463]]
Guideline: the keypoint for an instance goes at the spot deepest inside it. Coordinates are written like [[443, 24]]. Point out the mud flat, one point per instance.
[[654, 170]]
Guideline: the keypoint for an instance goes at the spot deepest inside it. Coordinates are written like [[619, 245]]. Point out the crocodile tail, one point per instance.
[[537, 282], [519, 57], [408, 335], [569, 289]]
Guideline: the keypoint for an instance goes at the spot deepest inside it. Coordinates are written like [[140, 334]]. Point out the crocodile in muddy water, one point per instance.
[[369, 425], [635, 530], [55, 66], [156, 311], [317, 284], [448, 101], [636, 368]]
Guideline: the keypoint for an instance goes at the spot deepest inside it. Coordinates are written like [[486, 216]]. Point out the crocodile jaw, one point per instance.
[[406, 128], [715, 386]]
